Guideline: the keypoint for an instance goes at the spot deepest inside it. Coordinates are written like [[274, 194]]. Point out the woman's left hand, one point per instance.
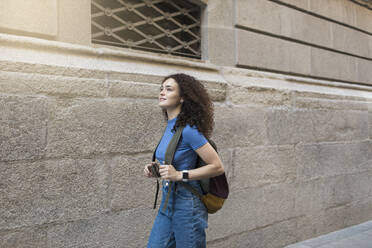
[[168, 172]]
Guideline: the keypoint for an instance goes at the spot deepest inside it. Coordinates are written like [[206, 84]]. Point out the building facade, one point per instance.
[[291, 82]]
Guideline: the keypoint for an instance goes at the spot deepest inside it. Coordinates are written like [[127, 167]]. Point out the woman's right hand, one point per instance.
[[147, 171]]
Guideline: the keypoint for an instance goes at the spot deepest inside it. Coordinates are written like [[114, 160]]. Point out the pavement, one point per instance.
[[358, 236]]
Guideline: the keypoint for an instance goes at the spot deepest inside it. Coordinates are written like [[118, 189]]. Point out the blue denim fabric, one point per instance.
[[182, 223]]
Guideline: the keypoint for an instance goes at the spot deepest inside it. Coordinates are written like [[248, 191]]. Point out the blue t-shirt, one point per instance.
[[185, 155]]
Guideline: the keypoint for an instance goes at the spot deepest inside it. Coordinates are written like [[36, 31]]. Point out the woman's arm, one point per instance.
[[213, 167]]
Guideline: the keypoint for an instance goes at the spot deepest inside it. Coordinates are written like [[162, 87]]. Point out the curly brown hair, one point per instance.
[[197, 108]]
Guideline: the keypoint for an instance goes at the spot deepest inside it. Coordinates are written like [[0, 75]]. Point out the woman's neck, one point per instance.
[[173, 113]]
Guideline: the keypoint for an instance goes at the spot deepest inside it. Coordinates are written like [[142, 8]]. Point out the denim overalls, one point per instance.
[[185, 218]]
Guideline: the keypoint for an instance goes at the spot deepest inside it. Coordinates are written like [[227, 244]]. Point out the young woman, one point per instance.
[[185, 102]]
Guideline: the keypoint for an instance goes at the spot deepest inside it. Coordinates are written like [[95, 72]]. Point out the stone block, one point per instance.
[[129, 187], [261, 51], [253, 14], [220, 13], [323, 101], [342, 11], [133, 89], [259, 96], [364, 71], [301, 26], [303, 4], [332, 192], [333, 65], [221, 45], [32, 83], [363, 19], [278, 203], [258, 166], [24, 237], [350, 41], [113, 229], [34, 17], [239, 126], [91, 126], [288, 127], [42, 192], [74, 22], [327, 160], [241, 212], [48, 69], [276, 235], [23, 127]]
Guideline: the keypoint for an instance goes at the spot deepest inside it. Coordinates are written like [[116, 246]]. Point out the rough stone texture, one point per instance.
[[300, 26], [24, 237], [364, 71], [91, 126], [35, 193], [259, 96], [23, 127], [342, 11], [129, 188], [303, 4], [258, 166], [284, 55], [253, 15], [278, 234], [221, 54], [293, 126], [350, 41], [327, 160], [326, 64], [247, 128], [61, 86], [117, 229]]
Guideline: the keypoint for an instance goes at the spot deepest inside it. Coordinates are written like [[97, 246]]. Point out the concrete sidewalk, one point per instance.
[[358, 236]]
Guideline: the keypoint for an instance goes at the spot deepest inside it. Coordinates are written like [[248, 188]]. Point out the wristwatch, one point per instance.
[[185, 175]]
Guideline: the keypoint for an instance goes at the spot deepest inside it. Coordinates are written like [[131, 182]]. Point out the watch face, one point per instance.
[[185, 175]]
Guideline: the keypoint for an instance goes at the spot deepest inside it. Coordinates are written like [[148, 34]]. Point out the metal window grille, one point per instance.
[[163, 26]]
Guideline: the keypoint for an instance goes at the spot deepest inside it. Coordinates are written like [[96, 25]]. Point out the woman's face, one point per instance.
[[169, 96]]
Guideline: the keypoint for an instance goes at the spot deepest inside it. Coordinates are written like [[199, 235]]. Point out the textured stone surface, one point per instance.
[[117, 229], [41, 192], [24, 237], [284, 55], [350, 41], [260, 96], [221, 46], [307, 28], [23, 127], [32, 83], [239, 126], [288, 127], [364, 71], [258, 166], [129, 187], [241, 212], [342, 11], [327, 64], [88, 126], [273, 236], [327, 160]]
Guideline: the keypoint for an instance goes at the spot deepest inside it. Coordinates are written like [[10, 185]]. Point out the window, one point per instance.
[[162, 26]]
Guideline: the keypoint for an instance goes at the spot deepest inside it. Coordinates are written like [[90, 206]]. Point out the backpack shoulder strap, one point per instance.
[[169, 156]]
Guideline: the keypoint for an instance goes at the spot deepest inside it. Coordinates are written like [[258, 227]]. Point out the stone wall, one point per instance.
[[78, 124], [307, 37]]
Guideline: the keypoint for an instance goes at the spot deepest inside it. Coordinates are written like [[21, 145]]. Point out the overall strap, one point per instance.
[[157, 180], [169, 156]]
